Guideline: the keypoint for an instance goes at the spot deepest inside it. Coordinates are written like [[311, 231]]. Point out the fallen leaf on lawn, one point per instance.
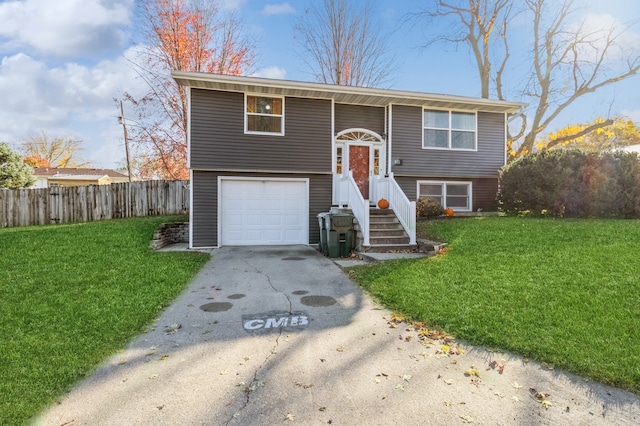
[[516, 385], [466, 418]]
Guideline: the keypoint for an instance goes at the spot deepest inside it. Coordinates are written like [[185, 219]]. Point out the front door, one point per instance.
[[359, 165]]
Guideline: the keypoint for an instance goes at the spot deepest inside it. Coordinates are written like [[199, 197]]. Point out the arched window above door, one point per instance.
[[359, 135]]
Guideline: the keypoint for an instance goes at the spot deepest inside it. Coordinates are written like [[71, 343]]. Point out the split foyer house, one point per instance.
[[267, 156]]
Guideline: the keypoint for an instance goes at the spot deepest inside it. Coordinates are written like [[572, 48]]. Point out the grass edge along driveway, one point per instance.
[[565, 292], [70, 296]]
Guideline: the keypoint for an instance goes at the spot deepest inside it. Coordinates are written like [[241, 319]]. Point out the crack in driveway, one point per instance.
[[255, 383]]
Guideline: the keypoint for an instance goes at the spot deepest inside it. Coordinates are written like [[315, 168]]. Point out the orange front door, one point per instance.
[[359, 165]]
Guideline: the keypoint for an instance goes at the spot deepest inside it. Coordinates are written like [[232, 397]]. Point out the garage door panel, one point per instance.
[[262, 212]]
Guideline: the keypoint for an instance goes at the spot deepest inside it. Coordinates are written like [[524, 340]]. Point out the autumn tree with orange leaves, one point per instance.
[[179, 35]]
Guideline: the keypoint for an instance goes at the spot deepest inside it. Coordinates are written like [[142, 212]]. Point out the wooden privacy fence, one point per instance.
[[44, 206]]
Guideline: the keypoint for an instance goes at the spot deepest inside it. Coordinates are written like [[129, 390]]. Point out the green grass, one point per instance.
[[565, 292], [71, 295]]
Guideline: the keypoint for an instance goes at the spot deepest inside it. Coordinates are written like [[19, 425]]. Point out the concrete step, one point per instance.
[[382, 219], [386, 225], [387, 233], [390, 248], [388, 240]]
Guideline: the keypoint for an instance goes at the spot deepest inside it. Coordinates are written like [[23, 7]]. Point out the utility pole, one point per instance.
[[126, 139]]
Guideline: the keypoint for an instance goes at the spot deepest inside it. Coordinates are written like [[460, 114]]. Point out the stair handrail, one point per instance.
[[351, 196], [404, 209]]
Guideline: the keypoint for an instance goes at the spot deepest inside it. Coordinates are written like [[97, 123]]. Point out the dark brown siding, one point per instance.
[[416, 161], [485, 192], [358, 116], [218, 140], [205, 203], [483, 197]]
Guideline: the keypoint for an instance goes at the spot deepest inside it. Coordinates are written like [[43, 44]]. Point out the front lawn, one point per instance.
[[71, 295], [565, 292]]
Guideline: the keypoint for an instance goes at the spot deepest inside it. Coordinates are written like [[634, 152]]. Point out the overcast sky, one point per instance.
[[63, 62]]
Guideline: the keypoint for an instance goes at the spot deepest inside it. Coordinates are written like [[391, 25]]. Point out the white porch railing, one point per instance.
[[405, 210], [349, 195]]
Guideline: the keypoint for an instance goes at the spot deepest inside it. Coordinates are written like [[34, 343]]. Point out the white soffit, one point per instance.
[[341, 94]]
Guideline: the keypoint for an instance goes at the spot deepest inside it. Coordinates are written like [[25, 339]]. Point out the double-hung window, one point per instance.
[[449, 130], [454, 195], [264, 115]]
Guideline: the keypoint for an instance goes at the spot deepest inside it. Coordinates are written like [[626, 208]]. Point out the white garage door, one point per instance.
[[263, 212]]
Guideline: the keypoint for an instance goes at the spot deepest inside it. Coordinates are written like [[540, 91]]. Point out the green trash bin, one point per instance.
[[322, 223], [339, 234]]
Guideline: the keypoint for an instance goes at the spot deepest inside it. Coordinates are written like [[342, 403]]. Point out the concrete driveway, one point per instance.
[[274, 335]]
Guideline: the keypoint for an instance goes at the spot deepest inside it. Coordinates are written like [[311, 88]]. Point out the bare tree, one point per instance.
[[482, 25], [57, 152], [179, 35], [568, 60], [343, 45]]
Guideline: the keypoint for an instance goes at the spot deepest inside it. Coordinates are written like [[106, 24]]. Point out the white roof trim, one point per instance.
[[341, 94]]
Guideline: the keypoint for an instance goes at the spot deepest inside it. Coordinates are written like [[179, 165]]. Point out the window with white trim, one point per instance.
[[449, 130], [454, 195], [264, 115]]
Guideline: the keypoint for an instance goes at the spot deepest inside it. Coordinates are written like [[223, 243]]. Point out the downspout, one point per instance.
[[334, 180], [389, 138]]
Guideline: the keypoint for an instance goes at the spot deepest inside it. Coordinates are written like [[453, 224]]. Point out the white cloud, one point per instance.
[[231, 4], [598, 30], [70, 101], [64, 28], [278, 9], [271, 72]]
